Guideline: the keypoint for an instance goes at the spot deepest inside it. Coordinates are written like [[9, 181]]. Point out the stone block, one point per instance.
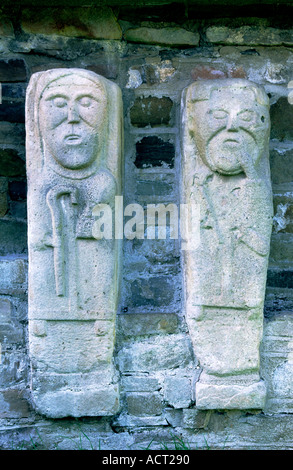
[[153, 151], [137, 383], [132, 421], [282, 120], [13, 404], [249, 36], [99, 400], [13, 70], [154, 188], [283, 212], [132, 325], [168, 36], [281, 163], [177, 390], [12, 334], [196, 419], [93, 22], [151, 111], [13, 275], [213, 396], [281, 250], [277, 355], [159, 353], [14, 366], [144, 404], [5, 310], [155, 292], [10, 163], [13, 237], [206, 72], [174, 417]]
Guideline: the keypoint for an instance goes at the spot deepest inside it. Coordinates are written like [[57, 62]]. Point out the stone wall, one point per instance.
[[152, 54]]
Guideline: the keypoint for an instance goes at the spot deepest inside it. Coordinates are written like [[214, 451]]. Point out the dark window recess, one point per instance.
[[153, 151], [282, 279]]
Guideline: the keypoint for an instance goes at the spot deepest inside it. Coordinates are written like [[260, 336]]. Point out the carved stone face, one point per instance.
[[230, 128], [71, 119]]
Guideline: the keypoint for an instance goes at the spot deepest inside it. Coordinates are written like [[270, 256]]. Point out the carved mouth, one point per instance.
[[231, 142], [73, 139]]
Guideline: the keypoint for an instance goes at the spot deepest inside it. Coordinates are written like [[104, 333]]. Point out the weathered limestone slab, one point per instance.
[[89, 22], [74, 120], [250, 36], [169, 36], [226, 172]]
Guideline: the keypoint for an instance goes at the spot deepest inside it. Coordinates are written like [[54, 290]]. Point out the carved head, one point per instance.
[[230, 123], [71, 117]]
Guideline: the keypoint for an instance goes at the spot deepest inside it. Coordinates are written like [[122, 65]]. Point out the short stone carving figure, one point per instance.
[[226, 172], [74, 133]]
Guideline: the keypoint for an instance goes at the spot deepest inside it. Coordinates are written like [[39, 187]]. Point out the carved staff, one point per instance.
[[53, 201]]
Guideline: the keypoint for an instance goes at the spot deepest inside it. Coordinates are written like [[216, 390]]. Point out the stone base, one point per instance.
[[228, 397], [77, 403]]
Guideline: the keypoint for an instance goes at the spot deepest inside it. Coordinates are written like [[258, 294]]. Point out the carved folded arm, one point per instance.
[[255, 241]]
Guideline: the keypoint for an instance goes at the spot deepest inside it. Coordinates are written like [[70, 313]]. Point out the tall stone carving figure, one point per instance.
[[226, 172], [74, 133]]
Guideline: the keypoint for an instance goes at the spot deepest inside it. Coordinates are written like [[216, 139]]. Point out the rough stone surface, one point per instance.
[[144, 404], [158, 354], [225, 172], [282, 120], [178, 390], [6, 28], [162, 36], [281, 163], [71, 320], [142, 324], [151, 111], [230, 397], [13, 275], [277, 356], [96, 23], [250, 36]]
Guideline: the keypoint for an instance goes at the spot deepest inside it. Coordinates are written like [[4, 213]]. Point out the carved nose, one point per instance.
[[232, 123], [73, 115]]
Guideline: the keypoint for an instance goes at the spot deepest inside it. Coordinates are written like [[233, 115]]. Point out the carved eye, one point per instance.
[[85, 101], [219, 114], [246, 116], [59, 102]]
